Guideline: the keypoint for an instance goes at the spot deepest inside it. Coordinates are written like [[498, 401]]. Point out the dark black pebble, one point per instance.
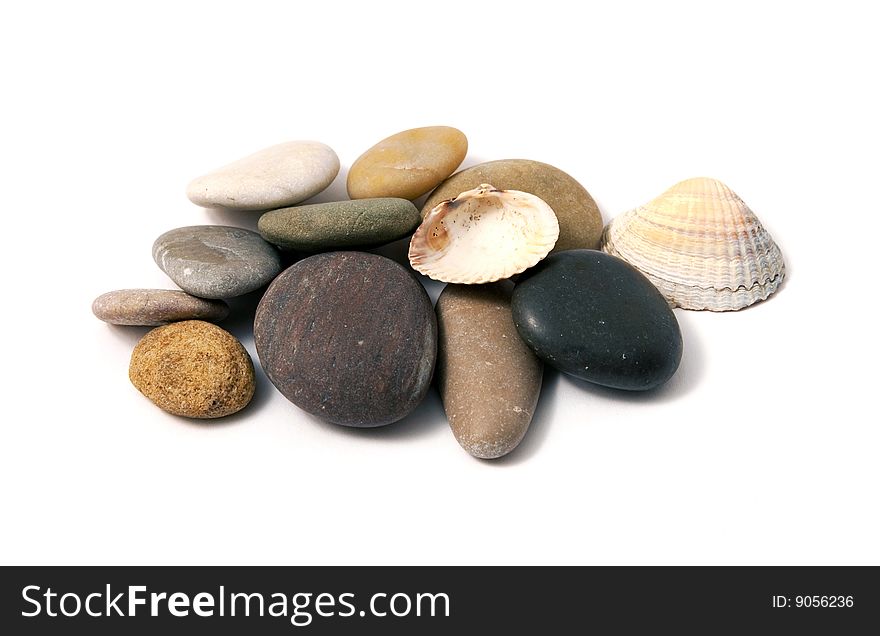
[[596, 317]]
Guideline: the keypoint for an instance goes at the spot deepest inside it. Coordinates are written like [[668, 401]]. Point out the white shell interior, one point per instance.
[[483, 235]]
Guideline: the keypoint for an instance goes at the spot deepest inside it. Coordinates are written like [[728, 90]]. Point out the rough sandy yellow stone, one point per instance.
[[408, 164], [193, 369]]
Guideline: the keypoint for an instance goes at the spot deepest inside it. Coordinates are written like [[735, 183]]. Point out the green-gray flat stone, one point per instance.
[[340, 224]]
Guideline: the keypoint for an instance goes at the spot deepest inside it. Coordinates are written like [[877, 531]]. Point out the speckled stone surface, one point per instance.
[[580, 222], [154, 307], [407, 164], [193, 369], [215, 261], [348, 336], [596, 317], [274, 177], [340, 224], [489, 379]]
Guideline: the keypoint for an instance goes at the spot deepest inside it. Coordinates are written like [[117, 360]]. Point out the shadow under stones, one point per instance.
[[336, 191], [427, 417], [246, 219], [129, 335], [242, 310], [397, 251]]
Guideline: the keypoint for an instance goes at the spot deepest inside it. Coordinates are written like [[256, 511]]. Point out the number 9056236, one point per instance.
[[823, 601]]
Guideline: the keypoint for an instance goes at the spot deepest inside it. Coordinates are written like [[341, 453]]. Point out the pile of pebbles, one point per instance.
[[352, 337]]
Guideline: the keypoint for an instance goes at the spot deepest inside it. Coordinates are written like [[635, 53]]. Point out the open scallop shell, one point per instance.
[[700, 245], [483, 235]]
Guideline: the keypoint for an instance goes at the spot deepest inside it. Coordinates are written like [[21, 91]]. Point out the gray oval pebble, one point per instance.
[[340, 224], [155, 307], [215, 261]]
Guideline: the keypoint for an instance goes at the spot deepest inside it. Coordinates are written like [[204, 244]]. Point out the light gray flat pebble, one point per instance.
[[274, 177], [216, 261], [155, 307]]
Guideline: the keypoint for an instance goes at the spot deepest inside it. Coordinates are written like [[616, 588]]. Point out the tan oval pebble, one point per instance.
[[580, 222], [489, 380], [408, 164], [154, 307], [193, 369]]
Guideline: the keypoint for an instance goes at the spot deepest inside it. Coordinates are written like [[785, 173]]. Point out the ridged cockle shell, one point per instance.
[[700, 245]]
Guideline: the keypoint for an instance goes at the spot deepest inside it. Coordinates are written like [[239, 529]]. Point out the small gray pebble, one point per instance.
[[215, 261], [155, 307]]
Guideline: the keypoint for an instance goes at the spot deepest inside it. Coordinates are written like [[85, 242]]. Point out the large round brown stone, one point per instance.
[[580, 222], [193, 369], [349, 337]]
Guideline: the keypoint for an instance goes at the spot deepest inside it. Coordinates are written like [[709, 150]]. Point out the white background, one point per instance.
[[762, 449]]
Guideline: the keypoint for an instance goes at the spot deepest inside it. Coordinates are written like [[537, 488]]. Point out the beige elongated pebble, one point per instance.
[[275, 177], [489, 379]]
